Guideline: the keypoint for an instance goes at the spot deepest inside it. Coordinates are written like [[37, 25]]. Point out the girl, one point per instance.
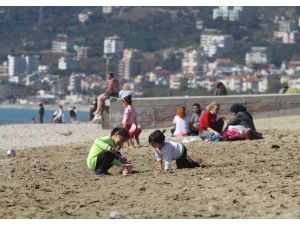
[[209, 124], [166, 151], [104, 152], [130, 121], [181, 122]]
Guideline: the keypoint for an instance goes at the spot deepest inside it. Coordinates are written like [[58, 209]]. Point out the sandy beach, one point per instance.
[[247, 179]]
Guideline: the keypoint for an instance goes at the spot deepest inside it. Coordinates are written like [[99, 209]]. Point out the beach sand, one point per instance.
[[247, 179]]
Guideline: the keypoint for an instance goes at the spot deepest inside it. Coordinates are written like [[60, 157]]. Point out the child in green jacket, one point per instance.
[[104, 152]]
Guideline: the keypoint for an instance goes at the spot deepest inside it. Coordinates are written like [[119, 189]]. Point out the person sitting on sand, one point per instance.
[[130, 121], [181, 123], [195, 119], [242, 121], [209, 124], [166, 151], [104, 153]]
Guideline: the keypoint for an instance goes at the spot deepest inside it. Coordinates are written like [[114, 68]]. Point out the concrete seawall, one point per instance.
[[159, 112]]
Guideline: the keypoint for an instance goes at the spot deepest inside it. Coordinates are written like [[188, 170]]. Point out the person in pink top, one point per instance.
[[130, 121]]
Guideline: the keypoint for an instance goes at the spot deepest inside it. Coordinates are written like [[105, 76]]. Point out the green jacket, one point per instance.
[[103, 144]]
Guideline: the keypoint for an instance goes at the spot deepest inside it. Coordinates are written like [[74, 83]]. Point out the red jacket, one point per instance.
[[208, 120]]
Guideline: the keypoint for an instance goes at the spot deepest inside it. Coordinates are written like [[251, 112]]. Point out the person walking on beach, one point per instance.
[[112, 90], [59, 117], [41, 112], [73, 114], [104, 153], [129, 121], [166, 151]]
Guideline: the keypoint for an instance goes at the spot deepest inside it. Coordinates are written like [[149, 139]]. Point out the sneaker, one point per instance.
[[97, 119], [102, 174]]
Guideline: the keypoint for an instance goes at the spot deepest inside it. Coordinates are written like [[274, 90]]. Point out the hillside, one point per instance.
[[149, 29]]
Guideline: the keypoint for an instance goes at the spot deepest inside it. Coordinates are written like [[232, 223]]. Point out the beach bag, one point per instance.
[[234, 135]]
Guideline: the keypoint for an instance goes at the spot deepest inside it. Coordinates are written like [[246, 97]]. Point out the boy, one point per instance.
[[166, 151]]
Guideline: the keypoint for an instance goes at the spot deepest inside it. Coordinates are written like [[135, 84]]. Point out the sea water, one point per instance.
[[21, 116]]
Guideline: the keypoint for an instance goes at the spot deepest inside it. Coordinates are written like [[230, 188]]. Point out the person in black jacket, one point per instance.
[[41, 112]]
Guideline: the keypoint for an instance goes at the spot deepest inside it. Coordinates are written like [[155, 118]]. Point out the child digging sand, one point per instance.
[[105, 152], [166, 151]]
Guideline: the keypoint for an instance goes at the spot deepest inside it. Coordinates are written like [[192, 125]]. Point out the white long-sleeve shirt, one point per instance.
[[170, 151]]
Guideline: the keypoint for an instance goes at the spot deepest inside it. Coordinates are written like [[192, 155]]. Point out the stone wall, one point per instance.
[[159, 112]]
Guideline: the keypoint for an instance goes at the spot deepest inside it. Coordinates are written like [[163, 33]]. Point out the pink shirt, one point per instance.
[[129, 116]]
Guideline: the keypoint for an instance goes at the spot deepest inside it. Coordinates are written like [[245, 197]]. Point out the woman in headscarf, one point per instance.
[[240, 126], [241, 117]]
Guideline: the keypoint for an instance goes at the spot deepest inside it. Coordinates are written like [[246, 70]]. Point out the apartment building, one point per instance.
[[258, 55], [192, 62], [75, 83], [129, 67], [214, 42], [113, 46], [67, 63], [60, 44], [82, 52], [22, 65], [85, 15], [177, 81]]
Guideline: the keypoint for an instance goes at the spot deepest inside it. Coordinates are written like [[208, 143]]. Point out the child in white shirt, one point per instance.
[[166, 151]]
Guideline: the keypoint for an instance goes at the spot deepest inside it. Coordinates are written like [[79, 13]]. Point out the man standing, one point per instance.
[[112, 90], [41, 112]]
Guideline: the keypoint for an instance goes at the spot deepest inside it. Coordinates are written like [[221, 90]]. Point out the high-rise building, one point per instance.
[[113, 46], [214, 42], [22, 65], [129, 67], [60, 44], [192, 62]]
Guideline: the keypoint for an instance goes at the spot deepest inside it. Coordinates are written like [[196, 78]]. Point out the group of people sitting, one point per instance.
[[210, 126]]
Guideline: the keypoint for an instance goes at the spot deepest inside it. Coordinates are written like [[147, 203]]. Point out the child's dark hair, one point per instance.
[[120, 131], [157, 136], [128, 99]]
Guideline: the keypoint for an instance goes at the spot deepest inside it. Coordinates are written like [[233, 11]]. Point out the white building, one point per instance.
[[107, 9], [128, 66], [75, 83], [258, 55], [177, 81], [233, 13], [84, 16], [22, 65], [214, 42], [82, 52], [67, 63], [287, 37], [60, 44], [192, 62], [4, 69], [113, 46], [287, 25]]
